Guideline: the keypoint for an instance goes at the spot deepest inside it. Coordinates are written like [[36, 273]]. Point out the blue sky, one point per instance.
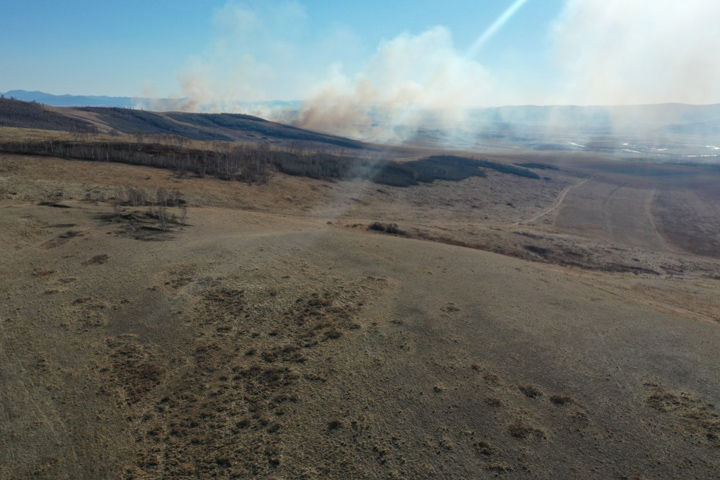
[[550, 51], [122, 48]]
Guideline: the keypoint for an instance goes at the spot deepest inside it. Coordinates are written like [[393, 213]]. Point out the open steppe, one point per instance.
[[561, 327]]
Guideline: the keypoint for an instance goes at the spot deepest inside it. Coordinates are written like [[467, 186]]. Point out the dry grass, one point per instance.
[[259, 341], [697, 416]]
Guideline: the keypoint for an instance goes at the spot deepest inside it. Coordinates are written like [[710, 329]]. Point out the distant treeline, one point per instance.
[[230, 161], [224, 160], [253, 163]]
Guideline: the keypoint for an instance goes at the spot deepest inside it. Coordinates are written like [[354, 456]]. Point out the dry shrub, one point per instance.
[[389, 228]]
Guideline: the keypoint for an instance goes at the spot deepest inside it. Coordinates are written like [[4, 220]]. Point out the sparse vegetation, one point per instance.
[[493, 402], [484, 448], [521, 430], [561, 400], [499, 467], [97, 260], [158, 217], [336, 425], [531, 391], [697, 416]]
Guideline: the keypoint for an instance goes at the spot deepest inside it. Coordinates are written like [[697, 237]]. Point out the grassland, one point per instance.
[[562, 327]]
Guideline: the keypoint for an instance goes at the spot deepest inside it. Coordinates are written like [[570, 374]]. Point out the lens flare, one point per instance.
[[495, 27]]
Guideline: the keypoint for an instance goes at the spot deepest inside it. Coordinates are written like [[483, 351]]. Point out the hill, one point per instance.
[[506, 121], [196, 126]]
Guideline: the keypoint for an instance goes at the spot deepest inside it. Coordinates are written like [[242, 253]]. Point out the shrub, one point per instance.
[[390, 228]]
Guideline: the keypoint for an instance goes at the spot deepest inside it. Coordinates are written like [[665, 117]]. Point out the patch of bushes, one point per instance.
[[389, 228], [530, 391], [543, 252], [561, 400], [523, 431]]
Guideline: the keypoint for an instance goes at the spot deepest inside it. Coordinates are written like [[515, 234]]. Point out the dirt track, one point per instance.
[[617, 213], [555, 206]]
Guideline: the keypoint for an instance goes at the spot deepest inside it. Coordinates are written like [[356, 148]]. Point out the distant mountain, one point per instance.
[[153, 104], [71, 100]]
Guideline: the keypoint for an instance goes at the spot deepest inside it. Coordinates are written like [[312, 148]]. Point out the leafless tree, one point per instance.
[[140, 139]]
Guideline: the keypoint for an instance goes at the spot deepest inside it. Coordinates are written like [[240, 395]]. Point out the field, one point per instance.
[[556, 327]]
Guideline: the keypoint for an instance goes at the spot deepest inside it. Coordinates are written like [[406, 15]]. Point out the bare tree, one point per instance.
[[183, 214], [135, 196], [140, 139]]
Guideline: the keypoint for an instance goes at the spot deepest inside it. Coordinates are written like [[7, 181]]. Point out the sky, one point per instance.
[[419, 51]]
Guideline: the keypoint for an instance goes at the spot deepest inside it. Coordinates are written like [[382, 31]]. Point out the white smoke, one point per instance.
[[254, 49], [263, 52], [609, 52], [639, 51], [409, 78]]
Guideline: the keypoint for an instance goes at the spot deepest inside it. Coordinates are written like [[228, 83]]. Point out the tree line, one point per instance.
[[253, 163], [222, 159]]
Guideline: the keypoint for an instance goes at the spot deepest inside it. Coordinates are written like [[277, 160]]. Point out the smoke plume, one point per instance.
[[638, 52], [409, 79], [608, 52]]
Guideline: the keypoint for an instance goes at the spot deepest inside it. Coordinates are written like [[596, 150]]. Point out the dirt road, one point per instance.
[[554, 207], [621, 214]]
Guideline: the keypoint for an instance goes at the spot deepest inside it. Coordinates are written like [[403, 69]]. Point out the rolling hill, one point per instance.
[[196, 126]]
